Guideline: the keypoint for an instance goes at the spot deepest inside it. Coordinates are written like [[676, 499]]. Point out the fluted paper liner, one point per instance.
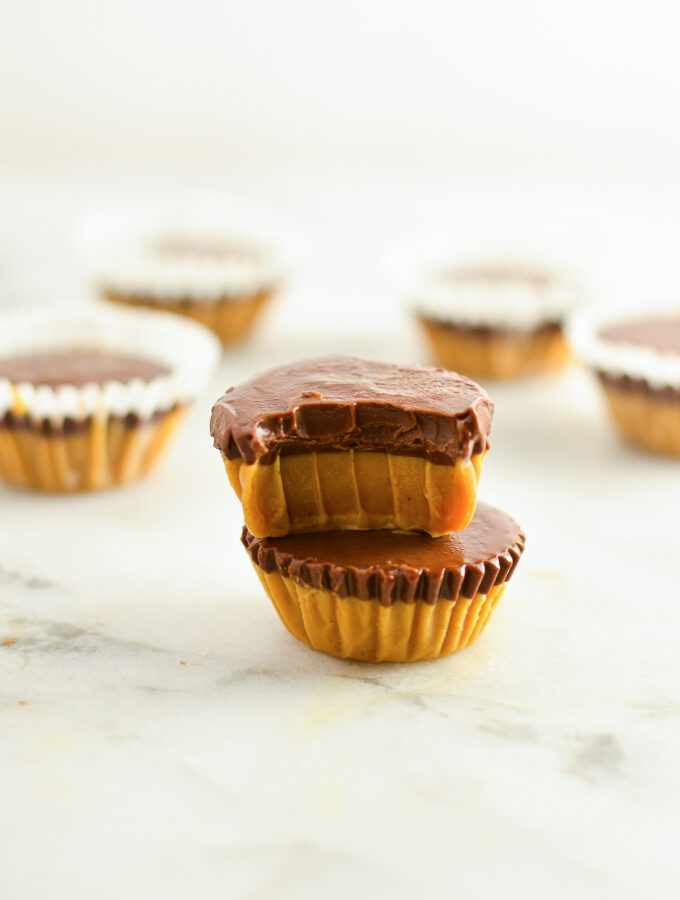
[[107, 454], [230, 318], [646, 420], [369, 631], [355, 490], [489, 355]]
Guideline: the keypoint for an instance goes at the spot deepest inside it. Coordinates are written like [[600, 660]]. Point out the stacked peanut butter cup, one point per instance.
[[358, 482]]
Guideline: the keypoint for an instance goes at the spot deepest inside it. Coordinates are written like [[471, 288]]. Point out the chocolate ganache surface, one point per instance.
[[390, 566], [498, 275], [342, 402], [77, 367], [657, 332]]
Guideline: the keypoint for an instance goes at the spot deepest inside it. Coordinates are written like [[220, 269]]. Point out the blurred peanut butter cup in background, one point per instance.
[[496, 319], [90, 399], [636, 359], [222, 281]]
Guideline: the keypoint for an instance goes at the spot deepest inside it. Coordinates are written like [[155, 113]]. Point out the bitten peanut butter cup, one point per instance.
[[345, 443], [637, 362], [389, 596], [496, 320]]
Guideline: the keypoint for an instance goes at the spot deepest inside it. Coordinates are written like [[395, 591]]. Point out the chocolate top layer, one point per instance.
[[498, 275], [659, 333], [390, 566], [341, 402], [77, 367], [181, 247]]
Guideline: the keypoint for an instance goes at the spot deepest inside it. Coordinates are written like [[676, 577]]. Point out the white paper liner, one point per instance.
[[618, 358], [514, 303], [144, 271], [190, 351]]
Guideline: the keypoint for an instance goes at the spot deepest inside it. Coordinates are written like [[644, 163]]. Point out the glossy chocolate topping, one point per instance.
[[341, 402], [390, 566], [658, 333], [77, 368]]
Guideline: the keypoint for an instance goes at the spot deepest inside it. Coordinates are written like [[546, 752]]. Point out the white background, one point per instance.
[[589, 86]]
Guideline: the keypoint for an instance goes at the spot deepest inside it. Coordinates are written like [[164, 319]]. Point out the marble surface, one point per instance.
[[161, 734]]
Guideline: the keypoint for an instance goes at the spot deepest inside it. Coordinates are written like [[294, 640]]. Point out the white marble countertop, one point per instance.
[[163, 736]]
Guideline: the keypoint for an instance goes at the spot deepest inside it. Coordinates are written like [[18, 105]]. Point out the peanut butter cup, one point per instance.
[[389, 596], [637, 362], [496, 320], [345, 443], [222, 282], [84, 403]]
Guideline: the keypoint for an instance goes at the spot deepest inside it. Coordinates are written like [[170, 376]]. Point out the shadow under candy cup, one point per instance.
[[344, 443], [91, 399], [389, 597]]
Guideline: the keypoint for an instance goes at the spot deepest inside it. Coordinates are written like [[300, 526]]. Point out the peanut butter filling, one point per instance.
[[356, 490]]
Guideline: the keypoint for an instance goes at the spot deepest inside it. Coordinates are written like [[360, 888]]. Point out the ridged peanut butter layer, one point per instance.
[[345, 403], [355, 489], [392, 567]]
